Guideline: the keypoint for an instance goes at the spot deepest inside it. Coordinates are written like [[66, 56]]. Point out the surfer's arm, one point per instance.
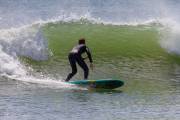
[[89, 55], [90, 58]]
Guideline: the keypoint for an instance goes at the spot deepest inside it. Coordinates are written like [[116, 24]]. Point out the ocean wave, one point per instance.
[[25, 34]]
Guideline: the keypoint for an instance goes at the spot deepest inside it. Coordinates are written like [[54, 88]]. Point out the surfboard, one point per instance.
[[99, 84]]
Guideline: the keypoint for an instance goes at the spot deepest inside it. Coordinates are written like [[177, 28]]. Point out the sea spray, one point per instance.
[[26, 41], [10, 65], [170, 36]]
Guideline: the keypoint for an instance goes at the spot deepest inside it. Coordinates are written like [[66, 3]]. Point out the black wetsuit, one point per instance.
[[75, 57]]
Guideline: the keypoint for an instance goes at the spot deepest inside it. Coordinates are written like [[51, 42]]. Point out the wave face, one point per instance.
[[121, 32]]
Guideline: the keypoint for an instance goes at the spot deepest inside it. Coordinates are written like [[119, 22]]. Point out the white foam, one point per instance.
[[170, 36], [10, 65], [24, 41]]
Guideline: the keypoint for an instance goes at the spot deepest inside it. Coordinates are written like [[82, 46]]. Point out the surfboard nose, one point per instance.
[[112, 84]]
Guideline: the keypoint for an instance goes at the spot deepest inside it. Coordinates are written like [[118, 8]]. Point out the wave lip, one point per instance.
[[27, 41]]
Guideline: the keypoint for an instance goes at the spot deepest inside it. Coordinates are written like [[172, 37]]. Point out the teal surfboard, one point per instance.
[[100, 84]]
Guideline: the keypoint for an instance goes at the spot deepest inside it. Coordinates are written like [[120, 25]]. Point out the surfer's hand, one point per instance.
[[91, 66]]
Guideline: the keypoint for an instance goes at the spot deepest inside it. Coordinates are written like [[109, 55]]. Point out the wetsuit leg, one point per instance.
[[72, 62], [84, 66]]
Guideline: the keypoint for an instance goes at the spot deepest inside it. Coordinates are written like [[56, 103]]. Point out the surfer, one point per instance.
[[75, 57]]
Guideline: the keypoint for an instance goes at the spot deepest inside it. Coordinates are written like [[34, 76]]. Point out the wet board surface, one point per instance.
[[99, 84]]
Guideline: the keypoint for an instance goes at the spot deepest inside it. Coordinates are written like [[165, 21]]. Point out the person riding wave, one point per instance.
[[75, 56]]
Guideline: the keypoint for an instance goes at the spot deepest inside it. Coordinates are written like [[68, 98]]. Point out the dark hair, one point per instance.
[[82, 41]]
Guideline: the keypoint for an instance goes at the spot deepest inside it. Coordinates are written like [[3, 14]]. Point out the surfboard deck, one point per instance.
[[99, 84]]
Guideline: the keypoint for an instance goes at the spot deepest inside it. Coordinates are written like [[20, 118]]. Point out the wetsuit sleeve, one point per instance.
[[89, 54]]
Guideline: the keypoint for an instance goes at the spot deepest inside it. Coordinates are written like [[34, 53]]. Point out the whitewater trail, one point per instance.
[[46, 82]]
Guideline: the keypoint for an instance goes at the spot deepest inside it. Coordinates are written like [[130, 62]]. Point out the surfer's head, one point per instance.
[[82, 41]]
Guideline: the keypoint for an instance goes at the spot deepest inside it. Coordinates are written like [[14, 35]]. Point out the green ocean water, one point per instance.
[[107, 42]]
